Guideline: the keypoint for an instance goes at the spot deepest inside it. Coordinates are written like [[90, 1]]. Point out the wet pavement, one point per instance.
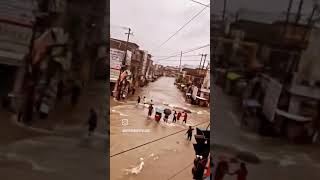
[[279, 159], [160, 150]]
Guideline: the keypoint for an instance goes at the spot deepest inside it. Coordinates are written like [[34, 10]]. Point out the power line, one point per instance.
[[196, 55], [183, 130], [183, 60], [201, 3], [188, 51], [183, 27]]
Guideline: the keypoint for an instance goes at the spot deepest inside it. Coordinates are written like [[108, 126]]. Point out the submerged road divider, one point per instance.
[[155, 140]]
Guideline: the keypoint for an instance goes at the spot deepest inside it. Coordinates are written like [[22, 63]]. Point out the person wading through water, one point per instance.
[[179, 115], [92, 122], [150, 110], [139, 99], [174, 116], [185, 117], [189, 132]]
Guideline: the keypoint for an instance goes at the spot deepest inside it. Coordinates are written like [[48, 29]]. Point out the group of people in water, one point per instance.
[[176, 115]]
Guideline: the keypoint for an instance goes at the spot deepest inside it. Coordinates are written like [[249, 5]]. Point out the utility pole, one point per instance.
[[288, 16], [224, 9], [180, 62], [200, 61], [122, 69], [298, 16], [204, 61], [208, 66]]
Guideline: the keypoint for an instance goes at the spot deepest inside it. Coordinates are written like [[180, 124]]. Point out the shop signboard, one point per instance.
[[114, 75], [116, 57]]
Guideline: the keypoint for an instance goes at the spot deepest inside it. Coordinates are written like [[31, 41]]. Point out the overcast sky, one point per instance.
[[154, 21]]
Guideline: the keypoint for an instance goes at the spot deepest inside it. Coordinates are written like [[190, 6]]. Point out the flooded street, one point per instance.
[[154, 150]]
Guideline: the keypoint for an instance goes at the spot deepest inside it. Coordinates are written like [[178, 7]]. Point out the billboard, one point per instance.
[[116, 57]]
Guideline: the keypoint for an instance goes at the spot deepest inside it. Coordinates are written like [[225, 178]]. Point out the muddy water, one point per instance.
[[143, 154]]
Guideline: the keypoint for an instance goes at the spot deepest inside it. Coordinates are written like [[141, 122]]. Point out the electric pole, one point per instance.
[[180, 62], [122, 69], [126, 48], [204, 61], [298, 16], [288, 16], [224, 9], [200, 61]]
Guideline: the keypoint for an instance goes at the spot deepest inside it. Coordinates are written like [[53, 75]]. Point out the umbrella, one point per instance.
[[167, 111]]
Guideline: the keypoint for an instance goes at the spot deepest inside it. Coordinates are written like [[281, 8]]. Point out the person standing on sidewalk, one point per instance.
[[189, 132], [185, 117], [92, 122]]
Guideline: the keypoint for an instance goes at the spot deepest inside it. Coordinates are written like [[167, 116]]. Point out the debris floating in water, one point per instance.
[[136, 170]]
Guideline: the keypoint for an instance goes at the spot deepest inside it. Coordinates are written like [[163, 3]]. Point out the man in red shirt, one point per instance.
[[185, 117], [179, 115]]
